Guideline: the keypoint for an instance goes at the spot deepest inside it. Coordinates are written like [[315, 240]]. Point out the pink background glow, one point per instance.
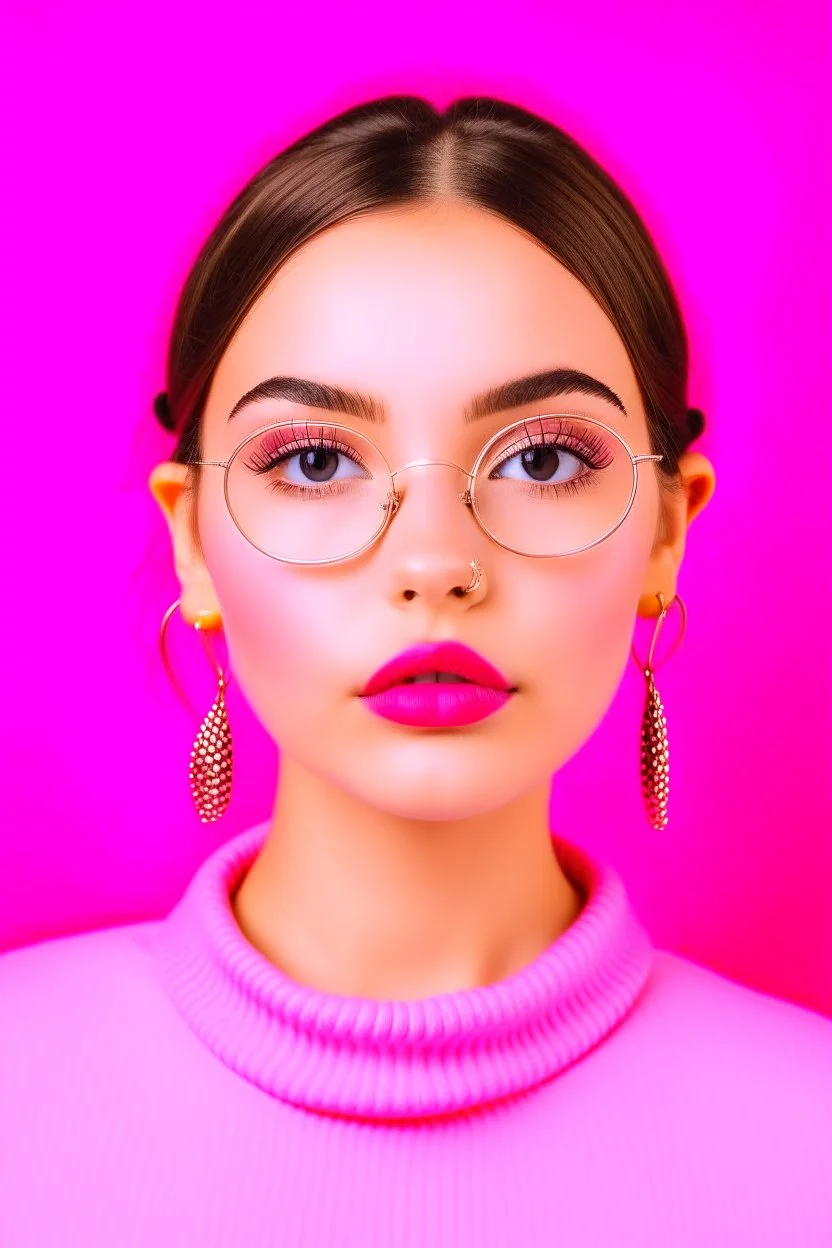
[[128, 137]]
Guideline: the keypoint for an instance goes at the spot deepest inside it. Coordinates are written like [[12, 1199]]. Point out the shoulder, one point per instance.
[[78, 953], [70, 985], [736, 1054], [735, 1083], [712, 1009]]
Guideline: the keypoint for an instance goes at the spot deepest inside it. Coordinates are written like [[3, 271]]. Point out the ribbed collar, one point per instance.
[[361, 1057]]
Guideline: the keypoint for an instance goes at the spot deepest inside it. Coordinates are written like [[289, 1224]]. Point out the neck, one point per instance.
[[356, 901]]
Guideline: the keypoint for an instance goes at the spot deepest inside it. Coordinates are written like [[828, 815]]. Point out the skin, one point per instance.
[[403, 862]]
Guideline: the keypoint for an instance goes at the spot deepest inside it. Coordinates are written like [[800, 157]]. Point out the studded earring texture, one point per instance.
[[655, 755]]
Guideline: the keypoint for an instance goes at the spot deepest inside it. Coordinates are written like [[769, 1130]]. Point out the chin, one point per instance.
[[441, 794]]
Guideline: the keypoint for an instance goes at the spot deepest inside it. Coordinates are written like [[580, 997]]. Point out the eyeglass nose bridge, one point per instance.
[[394, 498]]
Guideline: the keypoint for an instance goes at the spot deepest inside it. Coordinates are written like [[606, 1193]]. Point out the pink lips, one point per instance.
[[434, 704]]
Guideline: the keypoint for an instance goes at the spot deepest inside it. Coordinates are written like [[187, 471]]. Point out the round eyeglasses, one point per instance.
[[313, 492]]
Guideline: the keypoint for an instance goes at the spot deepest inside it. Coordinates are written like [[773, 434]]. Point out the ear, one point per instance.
[[173, 488], [698, 482]]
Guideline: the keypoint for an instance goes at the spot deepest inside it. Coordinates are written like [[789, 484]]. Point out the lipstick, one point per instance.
[[437, 685]]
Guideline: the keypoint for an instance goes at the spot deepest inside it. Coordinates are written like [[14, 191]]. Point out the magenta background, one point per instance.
[[129, 135]]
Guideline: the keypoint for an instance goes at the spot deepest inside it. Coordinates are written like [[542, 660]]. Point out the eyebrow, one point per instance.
[[550, 384]]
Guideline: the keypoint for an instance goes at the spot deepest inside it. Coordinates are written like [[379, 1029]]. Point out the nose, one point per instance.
[[429, 463], [433, 535]]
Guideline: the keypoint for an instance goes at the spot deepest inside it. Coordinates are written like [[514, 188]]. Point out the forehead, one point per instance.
[[423, 306]]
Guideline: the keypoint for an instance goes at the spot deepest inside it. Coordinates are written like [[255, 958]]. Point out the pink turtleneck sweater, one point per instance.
[[164, 1084]]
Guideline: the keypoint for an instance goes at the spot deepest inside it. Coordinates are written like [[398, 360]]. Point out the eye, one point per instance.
[[305, 461], [542, 463], [317, 465], [552, 455]]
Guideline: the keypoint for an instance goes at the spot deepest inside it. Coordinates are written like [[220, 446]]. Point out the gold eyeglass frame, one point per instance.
[[394, 498]]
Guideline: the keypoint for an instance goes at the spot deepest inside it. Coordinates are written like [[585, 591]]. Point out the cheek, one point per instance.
[[274, 624], [582, 636]]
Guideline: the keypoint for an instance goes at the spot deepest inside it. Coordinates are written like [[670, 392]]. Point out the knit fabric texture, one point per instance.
[[164, 1083]]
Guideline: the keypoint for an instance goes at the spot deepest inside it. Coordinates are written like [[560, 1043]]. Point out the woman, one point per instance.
[[427, 380]]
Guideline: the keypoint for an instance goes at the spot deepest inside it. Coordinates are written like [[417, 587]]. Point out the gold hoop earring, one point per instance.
[[210, 768], [655, 759]]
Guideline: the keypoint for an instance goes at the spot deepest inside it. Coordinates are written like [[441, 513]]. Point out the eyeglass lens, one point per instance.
[[310, 491]]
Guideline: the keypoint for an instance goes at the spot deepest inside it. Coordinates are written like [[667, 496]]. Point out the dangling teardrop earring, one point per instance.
[[655, 758], [210, 770]]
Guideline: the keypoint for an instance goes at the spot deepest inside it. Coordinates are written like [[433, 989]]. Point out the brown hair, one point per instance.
[[400, 149]]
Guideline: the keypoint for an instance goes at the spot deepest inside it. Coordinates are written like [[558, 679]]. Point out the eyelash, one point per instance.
[[265, 460], [590, 449]]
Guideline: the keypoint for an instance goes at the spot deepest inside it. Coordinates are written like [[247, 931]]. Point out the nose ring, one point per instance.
[[475, 580]]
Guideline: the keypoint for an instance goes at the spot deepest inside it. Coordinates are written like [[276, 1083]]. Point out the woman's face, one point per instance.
[[424, 308]]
